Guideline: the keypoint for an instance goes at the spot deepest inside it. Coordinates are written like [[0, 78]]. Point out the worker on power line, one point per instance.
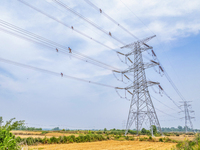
[[61, 74], [56, 49], [100, 11], [110, 34], [70, 50], [72, 27]]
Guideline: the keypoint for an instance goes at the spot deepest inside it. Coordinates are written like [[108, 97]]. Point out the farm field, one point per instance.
[[39, 134], [134, 142], [180, 138], [108, 145]]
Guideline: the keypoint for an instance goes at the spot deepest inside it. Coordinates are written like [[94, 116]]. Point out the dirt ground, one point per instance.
[[108, 145]]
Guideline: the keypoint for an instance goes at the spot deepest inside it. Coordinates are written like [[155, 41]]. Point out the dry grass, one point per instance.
[[26, 132], [179, 138], [38, 134], [108, 145]]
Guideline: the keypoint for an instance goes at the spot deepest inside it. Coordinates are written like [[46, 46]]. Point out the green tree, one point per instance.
[[56, 129], [7, 139], [143, 131], [154, 129], [180, 128]]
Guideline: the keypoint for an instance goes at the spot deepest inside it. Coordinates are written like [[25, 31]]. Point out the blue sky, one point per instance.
[[44, 100]]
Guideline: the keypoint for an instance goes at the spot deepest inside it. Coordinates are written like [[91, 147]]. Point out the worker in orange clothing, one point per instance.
[[70, 50]]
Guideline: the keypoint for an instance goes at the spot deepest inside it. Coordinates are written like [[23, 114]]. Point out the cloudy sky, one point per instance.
[[46, 100]]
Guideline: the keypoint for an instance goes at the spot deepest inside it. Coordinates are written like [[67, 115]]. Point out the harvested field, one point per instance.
[[26, 132], [177, 138], [38, 134], [108, 145]]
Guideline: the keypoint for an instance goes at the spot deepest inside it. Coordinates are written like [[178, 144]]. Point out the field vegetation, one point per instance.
[[10, 138]]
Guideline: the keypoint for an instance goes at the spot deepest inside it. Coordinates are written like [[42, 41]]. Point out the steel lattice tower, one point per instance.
[[187, 115], [141, 107]]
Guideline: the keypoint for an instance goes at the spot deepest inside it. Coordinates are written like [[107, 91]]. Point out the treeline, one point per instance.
[[178, 129], [28, 128], [107, 132], [60, 140]]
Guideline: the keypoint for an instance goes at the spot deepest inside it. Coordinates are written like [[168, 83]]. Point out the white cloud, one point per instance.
[[170, 20]]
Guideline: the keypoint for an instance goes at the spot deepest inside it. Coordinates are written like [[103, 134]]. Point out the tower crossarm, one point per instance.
[[149, 83], [145, 66], [152, 83], [143, 42], [152, 64], [142, 50]]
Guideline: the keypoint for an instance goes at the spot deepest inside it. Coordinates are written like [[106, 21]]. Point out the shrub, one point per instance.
[[127, 137], [132, 138], [87, 138], [7, 139], [185, 145], [30, 141], [44, 132], [132, 132], [167, 140], [141, 139], [177, 134], [99, 132], [160, 140], [53, 140], [73, 137], [143, 131], [150, 137]]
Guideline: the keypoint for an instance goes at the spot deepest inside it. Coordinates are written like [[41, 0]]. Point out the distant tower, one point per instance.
[[141, 107], [187, 115]]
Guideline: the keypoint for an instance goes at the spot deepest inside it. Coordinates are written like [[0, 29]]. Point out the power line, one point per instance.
[[122, 43], [70, 27], [87, 20], [60, 50], [77, 20], [53, 73], [136, 16], [170, 99], [166, 74], [51, 44], [163, 103], [165, 113], [107, 16], [170, 120], [174, 86]]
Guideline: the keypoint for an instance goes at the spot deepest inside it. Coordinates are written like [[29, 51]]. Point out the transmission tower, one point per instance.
[[187, 117], [141, 107]]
